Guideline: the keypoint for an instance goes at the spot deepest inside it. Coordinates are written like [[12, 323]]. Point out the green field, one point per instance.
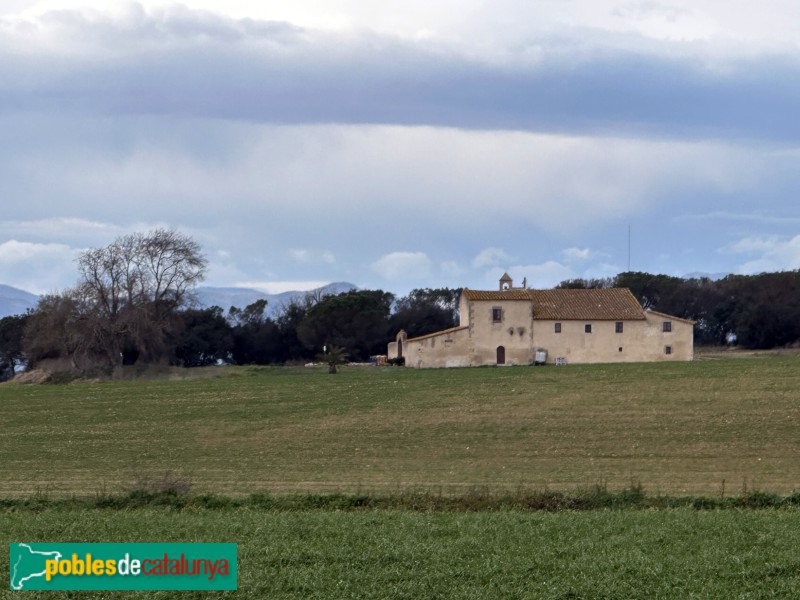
[[708, 427], [488, 555], [419, 438]]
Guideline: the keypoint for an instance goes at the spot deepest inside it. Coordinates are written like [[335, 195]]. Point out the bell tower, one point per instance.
[[506, 283]]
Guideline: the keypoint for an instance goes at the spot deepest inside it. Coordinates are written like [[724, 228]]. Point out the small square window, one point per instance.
[[620, 349], [558, 327], [618, 327], [666, 327], [497, 315], [667, 349], [587, 328]]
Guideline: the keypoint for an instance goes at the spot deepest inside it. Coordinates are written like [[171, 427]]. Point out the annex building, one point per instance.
[[521, 326]]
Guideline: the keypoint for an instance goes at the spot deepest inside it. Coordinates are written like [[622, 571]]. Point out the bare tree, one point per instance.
[[61, 327], [170, 264], [126, 300]]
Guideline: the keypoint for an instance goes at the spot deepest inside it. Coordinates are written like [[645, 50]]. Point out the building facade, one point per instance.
[[520, 326]]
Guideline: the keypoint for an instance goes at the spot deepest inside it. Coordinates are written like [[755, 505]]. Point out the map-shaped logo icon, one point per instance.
[[27, 563]]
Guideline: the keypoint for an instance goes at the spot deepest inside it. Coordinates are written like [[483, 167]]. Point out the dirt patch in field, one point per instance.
[[34, 376]]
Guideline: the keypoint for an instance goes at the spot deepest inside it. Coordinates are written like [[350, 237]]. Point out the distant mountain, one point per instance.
[[14, 301], [225, 297]]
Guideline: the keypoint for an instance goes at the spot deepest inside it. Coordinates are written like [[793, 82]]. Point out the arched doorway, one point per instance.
[[501, 355]]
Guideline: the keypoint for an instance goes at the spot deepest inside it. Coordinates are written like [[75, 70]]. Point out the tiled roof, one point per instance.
[[671, 317], [443, 332], [613, 304], [512, 294]]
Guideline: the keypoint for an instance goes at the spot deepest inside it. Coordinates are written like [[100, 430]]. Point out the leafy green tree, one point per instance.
[[289, 317], [653, 291], [585, 284], [12, 330], [764, 309], [357, 321], [425, 311], [252, 315], [256, 338], [204, 338]]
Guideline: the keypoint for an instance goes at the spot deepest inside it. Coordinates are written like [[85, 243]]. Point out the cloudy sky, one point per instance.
[[398, 145]]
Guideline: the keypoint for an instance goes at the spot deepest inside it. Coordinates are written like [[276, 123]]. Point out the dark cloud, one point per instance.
[[194, 63]]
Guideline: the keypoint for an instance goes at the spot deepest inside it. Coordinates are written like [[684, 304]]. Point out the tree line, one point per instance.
[[753, 311], [132, 305]]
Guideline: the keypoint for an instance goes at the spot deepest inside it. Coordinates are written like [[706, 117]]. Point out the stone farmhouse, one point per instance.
[[521, 326]]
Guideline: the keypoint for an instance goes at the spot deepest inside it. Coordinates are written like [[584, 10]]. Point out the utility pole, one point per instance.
[[629, 247]]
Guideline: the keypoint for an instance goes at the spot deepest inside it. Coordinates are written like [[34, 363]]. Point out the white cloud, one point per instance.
[[758, 244], [84, 231], [773, 253], [13, 252], [306, 256], [576, 254], [500, 24], [300, 254], [404, 266], [664, 21], [491, 257], [37, 268]]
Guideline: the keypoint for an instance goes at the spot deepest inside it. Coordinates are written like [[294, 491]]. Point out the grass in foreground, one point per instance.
[[714, 427], [506, 554]]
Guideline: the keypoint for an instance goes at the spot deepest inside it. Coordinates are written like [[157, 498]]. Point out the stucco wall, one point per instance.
[[449, 348], [680, 339], [398, 346], [463, 311], [513, 332], [640, 341]]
